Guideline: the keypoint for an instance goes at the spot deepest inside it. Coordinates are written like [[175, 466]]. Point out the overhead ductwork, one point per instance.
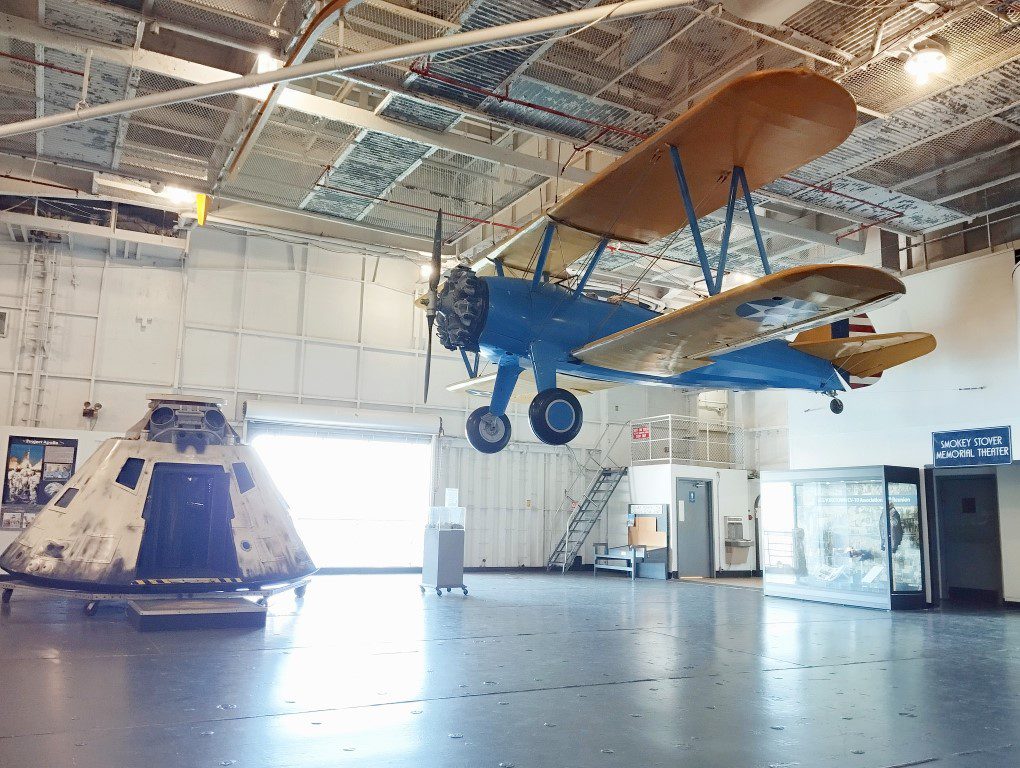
[[770, 12]]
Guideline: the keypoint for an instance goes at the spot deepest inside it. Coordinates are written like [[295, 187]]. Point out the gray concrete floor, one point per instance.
[[531, 670]]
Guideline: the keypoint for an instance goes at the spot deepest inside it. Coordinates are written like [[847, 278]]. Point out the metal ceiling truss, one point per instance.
[[390, 146]]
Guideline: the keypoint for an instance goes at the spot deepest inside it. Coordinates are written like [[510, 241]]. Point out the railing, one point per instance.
[[686, 440]]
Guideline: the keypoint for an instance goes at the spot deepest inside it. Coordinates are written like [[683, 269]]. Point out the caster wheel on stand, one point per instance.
[[299, 592], [5, 598], [439, 592], [447, 590], [422, 590], [91, 608], [464, 589], [263, 601]]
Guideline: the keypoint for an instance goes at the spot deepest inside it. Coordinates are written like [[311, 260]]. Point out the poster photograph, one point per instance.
[[37, 469]]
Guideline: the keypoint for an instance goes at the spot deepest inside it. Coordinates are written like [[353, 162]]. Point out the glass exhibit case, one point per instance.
[[851, 536]]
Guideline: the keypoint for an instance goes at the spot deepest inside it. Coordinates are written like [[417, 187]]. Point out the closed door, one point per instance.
[[968, 514], [694, 527]]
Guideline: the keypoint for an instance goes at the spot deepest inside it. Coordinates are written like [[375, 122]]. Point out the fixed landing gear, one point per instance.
[[487, 432], [555, 416], [836, 405]]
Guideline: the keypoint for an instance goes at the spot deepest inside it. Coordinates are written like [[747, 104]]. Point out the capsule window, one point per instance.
[[243, 477], [130, 472], [66, 497]]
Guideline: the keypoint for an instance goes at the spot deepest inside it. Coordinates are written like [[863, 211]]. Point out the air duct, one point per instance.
[[770, 12]]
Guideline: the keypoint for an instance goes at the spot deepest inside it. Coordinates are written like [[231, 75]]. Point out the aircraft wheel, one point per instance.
[[299, 592], [836, 405], [487, 432], [555, 416]]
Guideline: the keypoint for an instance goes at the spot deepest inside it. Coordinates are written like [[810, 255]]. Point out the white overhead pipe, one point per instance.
[[458, 41]]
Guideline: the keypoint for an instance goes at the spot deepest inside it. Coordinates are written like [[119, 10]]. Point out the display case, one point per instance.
[[851, 536]]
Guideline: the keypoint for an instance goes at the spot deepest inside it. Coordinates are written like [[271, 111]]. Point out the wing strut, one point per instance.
[[737, 177], [543, 253]]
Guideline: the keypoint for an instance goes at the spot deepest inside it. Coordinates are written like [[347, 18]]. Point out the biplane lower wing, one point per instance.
[[526, 389], [868, 356], [776, 305]]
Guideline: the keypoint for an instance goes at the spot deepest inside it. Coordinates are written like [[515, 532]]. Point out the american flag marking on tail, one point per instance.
[[858, 325]]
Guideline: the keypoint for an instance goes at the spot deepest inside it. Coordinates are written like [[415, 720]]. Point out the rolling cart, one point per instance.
[[443, 561]]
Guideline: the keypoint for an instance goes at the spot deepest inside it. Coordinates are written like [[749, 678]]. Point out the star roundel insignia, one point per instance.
[[778, 312]]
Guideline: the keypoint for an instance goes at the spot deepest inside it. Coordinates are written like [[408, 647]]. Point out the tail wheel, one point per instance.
[[836, 405], [487, 432], [555, 416]]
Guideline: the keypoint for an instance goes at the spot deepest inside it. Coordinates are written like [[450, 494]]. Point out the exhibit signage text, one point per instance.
[[972, 447]]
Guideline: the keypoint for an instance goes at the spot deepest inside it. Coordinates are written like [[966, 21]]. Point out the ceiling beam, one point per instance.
[[193, 72], [48, 224]]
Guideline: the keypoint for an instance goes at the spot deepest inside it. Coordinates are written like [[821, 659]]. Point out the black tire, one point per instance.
[[486, 432], [836, 405], [5, 598], [551, 421]]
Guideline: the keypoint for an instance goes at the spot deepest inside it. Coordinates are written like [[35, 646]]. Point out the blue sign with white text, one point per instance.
[[972, 447]]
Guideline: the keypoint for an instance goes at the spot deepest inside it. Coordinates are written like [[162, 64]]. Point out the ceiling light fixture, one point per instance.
[[929, 57]]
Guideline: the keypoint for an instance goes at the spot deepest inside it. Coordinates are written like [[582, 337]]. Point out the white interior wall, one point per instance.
[[970, 380], [656, 484], [252, 317]]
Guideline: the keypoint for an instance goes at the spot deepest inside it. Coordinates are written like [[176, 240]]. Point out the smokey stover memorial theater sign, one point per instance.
[[972, 447]]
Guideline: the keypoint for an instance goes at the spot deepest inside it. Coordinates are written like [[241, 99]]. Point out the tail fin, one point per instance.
[[858, 353]]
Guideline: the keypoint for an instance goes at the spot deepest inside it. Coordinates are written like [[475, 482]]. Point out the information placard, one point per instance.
[[972, 447]]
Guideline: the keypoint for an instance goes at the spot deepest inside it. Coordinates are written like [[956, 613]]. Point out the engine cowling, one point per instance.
[[462, 306]]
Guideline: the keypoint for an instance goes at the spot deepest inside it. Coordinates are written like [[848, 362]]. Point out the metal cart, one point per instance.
[[443, 560], [9, 584]]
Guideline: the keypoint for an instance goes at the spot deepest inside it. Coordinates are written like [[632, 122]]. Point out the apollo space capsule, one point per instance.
[[178, 502]]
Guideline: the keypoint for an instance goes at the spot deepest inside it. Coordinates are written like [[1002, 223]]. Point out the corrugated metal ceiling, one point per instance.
[[630, 75]]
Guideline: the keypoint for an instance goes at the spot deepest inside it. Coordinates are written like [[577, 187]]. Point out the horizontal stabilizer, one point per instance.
[[867, 356], [526, 390], [771, 307]]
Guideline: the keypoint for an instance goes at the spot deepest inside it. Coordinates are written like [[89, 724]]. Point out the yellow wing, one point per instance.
[[776, 305], [519, 252], [870, 355]]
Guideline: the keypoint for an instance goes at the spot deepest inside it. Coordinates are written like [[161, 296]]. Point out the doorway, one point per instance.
[[187, 524], [694, 527], [359, 500], [971, 555]]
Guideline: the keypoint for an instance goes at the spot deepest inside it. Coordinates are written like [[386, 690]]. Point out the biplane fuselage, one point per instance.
[[548, 321], [799, 328]]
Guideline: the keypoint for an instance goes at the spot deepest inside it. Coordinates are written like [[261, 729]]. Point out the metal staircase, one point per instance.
[[584, 518]]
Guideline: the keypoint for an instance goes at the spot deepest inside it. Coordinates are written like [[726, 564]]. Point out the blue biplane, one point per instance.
[[516, 310]]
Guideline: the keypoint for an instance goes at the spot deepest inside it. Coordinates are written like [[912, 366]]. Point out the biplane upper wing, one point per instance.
[[768, 123], [869, 355], [526, 389], [776, 305]]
